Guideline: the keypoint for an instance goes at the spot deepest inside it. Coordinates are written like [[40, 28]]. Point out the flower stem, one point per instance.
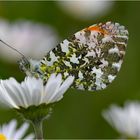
[[36, 115], [38, 129]]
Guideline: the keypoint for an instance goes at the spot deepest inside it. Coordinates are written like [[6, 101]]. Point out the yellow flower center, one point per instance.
[[2, 137]]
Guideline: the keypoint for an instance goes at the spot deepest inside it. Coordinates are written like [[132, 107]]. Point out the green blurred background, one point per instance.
[[78, 115]]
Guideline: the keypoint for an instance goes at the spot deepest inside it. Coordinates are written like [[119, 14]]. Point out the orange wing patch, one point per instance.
[[98, 29]]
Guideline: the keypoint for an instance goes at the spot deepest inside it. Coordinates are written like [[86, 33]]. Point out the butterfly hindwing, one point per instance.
[[93, 55]]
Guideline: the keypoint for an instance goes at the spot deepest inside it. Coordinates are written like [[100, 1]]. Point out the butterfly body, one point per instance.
[[93, 55]]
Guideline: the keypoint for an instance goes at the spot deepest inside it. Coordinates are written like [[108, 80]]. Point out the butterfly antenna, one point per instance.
[[13, 48]]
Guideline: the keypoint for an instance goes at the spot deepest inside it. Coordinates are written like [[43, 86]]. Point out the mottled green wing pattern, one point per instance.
[[93, 55]]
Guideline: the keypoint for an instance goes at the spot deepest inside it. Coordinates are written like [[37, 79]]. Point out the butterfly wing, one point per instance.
[[93, 55]]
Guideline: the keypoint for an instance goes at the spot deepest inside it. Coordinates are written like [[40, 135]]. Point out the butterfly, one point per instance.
[[93, 56]]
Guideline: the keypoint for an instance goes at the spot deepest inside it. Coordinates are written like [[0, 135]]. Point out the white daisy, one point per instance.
[[32, 91], [125, 120], [32, 39], [86, 9], [9, 131]]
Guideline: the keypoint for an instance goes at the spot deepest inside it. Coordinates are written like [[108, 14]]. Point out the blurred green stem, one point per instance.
[[38, 129]]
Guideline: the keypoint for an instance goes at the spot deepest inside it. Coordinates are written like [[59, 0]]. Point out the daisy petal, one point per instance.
[[10, 132], [21, 131], [32, 91], [64, 87]]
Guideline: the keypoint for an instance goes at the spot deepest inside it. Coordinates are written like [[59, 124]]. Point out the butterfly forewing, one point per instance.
[[93, 55]]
